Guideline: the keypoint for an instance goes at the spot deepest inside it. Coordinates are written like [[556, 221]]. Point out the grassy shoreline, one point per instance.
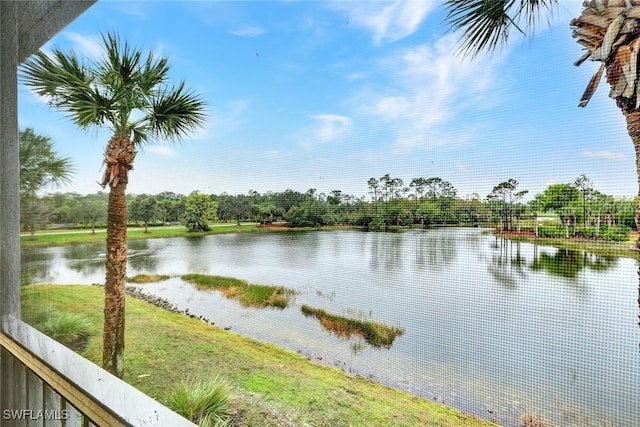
[[63, 238], [625, 249], [271, 386]]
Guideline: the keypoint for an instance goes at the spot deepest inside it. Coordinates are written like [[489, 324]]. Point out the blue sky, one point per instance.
[[327, 94]]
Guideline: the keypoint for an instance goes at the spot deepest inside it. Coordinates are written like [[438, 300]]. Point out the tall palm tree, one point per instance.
[[609, 30], [127, 92], [40, 166]]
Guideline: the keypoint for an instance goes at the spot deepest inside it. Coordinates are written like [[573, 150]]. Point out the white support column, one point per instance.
[[9, 167]]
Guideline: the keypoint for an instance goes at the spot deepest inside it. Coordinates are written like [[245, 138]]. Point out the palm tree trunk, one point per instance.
[[119, 157], [116, 280], [633, 127]]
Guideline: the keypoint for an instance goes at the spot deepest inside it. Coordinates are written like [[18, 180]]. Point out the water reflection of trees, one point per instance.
[[85, 259], [386, 251], [434, 251], [391, 250], [508, 263], [141, 257], [568, 263], [89, 259], [35, 265]]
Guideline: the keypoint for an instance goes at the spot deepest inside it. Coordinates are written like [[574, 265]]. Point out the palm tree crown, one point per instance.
[[123, 91], [118, 88]]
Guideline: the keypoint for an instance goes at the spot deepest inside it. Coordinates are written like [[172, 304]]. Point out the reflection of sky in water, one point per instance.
[[491, 325]]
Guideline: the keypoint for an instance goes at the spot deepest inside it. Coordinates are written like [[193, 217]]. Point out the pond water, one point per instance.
[[495, 328]]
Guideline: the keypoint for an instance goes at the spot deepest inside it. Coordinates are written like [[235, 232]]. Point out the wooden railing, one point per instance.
[[43, 383], [31, 393]]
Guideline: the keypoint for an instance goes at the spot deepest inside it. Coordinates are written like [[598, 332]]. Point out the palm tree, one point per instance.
[[127, 92], [40, 166], [609, 30]]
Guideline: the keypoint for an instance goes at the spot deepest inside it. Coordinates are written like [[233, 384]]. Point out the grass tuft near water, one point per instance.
[[148, 278], [248, 295], [374, 333], [204, 401], [69, 329]]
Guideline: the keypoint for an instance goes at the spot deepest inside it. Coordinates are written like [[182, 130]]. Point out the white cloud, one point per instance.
[[429, 90], [331, 126], [356, 76], [138, 9], [607, 155], [248, 31], [90, 47], [328, 128], [231, 117], [161, 149], [388, 21]]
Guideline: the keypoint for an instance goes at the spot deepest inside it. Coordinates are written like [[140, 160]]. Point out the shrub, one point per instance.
[[203, 401], [589, 233], [377, 224], [551, 231], [617, 233]]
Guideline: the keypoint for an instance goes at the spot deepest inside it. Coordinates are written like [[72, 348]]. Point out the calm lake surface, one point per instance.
[[495, 328]]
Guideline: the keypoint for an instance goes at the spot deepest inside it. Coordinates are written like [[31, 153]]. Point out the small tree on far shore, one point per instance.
[[199, 210]]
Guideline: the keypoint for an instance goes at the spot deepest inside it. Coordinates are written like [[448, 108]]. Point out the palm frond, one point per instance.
[[121, 64], [485, 24], [55, 77], [175, 112], [139, 135], [112, 89], [532, 11], [153, 73], [69, 86]]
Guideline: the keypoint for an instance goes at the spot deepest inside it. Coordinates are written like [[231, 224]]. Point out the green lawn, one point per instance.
[[271, 386], [69, 237]]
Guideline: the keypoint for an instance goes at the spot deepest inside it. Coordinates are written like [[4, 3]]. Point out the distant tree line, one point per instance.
[[578, 209]]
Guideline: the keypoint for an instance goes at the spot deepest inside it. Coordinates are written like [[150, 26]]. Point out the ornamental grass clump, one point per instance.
[[204, 401], [36, 314], [69, 329]]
